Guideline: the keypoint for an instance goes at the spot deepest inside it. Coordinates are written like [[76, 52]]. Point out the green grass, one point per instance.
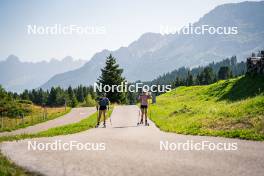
[[231, 108], [7, 168], [35, 117], [83, 125]]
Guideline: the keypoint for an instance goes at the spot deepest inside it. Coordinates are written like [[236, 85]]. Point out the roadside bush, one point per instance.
[[89, 101]]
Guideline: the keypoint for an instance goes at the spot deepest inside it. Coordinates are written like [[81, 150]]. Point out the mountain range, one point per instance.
[[16, 75], [153, 54]]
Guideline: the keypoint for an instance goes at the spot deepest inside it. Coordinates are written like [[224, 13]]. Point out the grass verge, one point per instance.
[[10, 124], [232, 108], [83, 125], [7, 168]]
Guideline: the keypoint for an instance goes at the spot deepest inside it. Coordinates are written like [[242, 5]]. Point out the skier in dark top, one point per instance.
[[102, 105]]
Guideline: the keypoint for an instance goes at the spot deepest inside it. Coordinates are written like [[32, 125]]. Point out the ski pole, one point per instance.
[[138, 116], [110, 120], [97, 123], [149, 112], [109, 117]]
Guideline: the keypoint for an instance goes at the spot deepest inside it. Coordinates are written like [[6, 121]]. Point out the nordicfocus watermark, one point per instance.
[[59, 29], [199, 30], [190, 145], [58, 145], [126, 87]]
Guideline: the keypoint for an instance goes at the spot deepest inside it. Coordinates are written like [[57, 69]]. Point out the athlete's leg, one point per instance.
[[142, 114], [146, 115], [99, 117], [104, 111]]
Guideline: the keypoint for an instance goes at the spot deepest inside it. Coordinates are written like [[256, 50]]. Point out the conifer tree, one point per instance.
[[72, 98], [112, 75], [224, 73]]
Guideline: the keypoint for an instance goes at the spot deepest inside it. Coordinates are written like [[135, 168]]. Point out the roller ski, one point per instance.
[[140, 123], [146, 123], [97, 125]]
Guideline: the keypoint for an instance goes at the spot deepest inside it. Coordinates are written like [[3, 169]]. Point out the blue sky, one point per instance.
[[124, 21]]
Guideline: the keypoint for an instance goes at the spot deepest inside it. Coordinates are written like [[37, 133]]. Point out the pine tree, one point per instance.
[[189, 80], [112, 75], [60, 98], [42, 97], [52, 97], [131, 97], [80, 93], [25, 95], [207, 76], [224, 73], [176, 82], [73, 102]]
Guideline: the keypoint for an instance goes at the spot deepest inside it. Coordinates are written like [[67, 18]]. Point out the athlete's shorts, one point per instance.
[[102, 108], [144, 106]]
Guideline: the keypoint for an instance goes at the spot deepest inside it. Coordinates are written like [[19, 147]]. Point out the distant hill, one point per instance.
[[237, 69], [16, 75], [153, 54]]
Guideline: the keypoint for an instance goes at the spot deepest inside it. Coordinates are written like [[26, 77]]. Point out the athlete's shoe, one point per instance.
[[146, 123]]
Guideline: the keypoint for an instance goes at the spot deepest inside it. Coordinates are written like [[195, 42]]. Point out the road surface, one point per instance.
[[75, 115], [132, 150]]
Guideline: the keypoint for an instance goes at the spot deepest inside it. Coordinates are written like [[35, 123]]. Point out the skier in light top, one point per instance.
[[143, 98]]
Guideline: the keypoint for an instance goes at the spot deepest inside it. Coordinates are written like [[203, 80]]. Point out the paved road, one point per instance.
[[132, 150], [75, 115]]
